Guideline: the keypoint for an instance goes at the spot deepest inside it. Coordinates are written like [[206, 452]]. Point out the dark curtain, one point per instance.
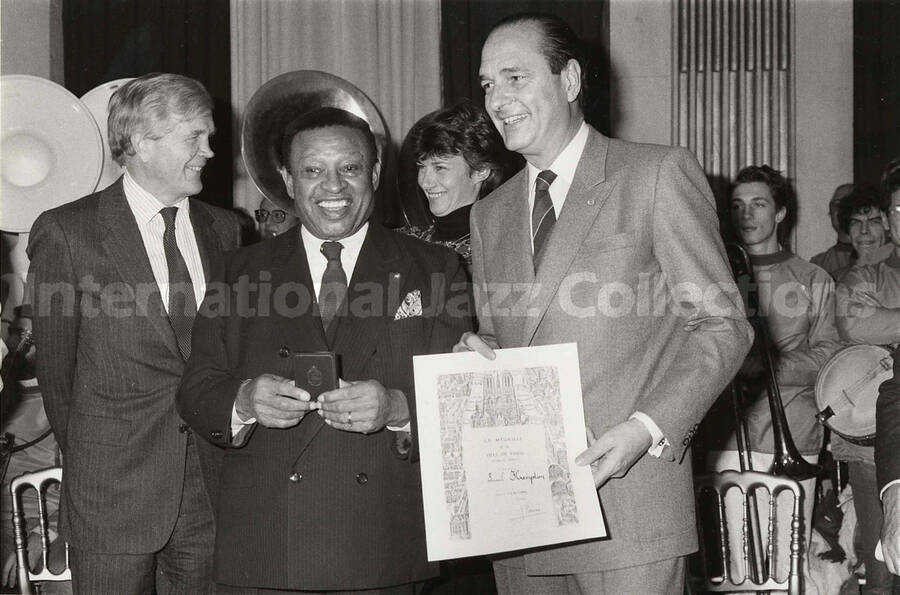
[[109, 39], [464, 27], [876, 87]]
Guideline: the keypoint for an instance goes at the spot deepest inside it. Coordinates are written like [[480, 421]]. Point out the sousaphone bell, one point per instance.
[[283, 99]]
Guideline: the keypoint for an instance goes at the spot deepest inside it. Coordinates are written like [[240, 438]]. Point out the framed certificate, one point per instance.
[[498, 441]]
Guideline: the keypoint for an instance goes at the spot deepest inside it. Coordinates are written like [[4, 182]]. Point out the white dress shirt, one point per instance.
[[564, 167], [146, 209]]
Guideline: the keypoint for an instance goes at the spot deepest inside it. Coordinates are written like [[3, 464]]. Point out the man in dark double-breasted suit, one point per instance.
[[322, 495], [116, 278]]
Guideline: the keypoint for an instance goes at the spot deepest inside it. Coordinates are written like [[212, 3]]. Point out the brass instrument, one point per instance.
[[788, 461], [283, 99]]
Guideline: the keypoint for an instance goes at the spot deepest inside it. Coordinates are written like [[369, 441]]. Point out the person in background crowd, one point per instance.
[[460, 158], [117, 276], [317, 495], [273, 220], [25, 428], [868, 312], [838, 257], [592, 207], [859, 215], [796, 301]]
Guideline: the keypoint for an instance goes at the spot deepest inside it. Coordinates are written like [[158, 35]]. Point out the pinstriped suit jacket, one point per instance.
[[635, 242], [109, 368]]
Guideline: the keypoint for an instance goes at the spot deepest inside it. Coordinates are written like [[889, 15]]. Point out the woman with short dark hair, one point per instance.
[[460, 158]]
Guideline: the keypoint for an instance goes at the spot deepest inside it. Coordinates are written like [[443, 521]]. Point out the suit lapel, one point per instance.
[[373, 295], [516, 233], [587, 195], [290, 266], [123, 245], [209, 240]]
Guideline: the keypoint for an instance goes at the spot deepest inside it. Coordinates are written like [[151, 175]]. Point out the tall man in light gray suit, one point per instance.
[[619, 245], [117, 277]]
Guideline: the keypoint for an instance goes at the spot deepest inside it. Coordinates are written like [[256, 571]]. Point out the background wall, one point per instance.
[[30, 43], [824, 114], [31, 39], [641, 46]]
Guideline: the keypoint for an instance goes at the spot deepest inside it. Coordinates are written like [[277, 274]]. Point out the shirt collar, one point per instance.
[[351, 243], [144, 205], [566, 162]]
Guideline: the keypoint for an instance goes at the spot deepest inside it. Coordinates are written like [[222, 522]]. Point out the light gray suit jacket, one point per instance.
[[636, 274]]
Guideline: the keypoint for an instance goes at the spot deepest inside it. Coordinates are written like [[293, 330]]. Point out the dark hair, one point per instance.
[[560, 44], [462, 129], [146, 104], [861, 199], [781, 190], [325, 117]]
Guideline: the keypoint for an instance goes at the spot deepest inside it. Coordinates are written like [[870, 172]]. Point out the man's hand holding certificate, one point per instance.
[[499, 432]]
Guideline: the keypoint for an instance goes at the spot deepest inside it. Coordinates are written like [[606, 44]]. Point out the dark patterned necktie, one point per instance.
[[334, 283], [182, 303], [542, 215]]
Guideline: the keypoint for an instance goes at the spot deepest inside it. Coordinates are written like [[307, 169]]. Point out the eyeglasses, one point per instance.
[[263, 215]]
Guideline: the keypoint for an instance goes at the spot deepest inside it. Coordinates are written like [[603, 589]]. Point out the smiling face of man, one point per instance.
[[169, 166], [332, 178], [536, 111]]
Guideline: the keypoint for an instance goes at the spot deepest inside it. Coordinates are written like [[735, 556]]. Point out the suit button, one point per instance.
[[215, 435], [362, 478], [295, 477], [284, 352], [183, 428]]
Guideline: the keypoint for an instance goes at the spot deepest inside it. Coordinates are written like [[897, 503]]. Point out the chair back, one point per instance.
[[38, 481], [716, 560]]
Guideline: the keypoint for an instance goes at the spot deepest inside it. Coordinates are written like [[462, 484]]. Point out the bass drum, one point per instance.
[[847, 389]]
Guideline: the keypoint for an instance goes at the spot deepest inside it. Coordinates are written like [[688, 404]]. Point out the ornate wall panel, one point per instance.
[[734, 78]]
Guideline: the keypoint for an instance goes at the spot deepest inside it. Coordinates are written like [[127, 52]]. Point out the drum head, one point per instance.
[[848, 384], [51, 147], [97, 102]]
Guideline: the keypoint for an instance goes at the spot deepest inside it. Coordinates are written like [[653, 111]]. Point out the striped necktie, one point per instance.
[[542, 215]]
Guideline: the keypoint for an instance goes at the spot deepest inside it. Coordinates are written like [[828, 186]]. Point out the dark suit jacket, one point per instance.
[[887, 428], [352, 518], [109, 368], [631, 273]]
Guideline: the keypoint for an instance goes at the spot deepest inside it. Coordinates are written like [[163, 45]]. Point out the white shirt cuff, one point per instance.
[[657, 441], [405, 428], [885, 488], [237, 424]]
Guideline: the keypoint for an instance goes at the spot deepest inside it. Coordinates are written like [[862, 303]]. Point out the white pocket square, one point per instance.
[[411, 305]]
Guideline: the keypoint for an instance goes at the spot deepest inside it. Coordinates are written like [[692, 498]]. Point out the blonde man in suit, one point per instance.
[[117, 276], [632, 269]]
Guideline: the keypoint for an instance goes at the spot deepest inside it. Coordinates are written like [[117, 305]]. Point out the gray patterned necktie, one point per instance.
[[334, 283]]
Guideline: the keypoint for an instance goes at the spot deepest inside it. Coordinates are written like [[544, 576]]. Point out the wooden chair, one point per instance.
[[38, 481], [716, 573]]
